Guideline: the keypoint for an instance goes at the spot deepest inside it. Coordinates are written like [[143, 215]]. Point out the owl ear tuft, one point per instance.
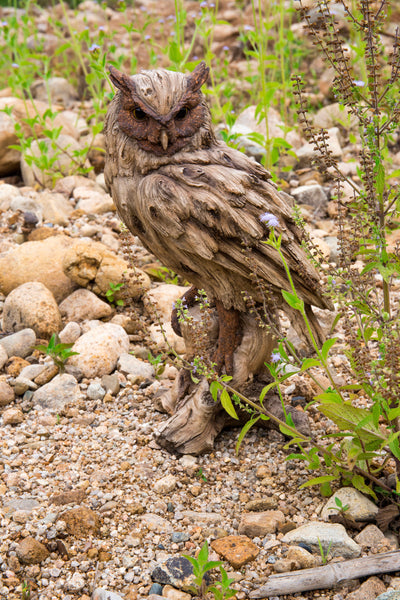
[[121, 81], [197, 77]]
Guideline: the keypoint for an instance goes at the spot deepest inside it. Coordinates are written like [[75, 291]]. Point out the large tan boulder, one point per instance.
[[37, 261], [31, 305], [93, 266]]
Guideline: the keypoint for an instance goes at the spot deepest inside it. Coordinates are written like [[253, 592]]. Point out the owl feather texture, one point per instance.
[[198, 205]]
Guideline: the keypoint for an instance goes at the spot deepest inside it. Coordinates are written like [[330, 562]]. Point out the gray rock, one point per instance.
[[370, 536], [75, 583], [21, 504], [333, 115], [7, 193], [156, 589], [202, 518], [360, 508], [22, 384], [156, 523], [3, 357], [12, 416], [7, 394], [111, 384], [176, 571], [54, 207], [99, 350], [32, 371], [392, 595], [307, 153], [61, 91], [313, 195], [26, 204], [179, 536], [32, 305], [95, 391], [20, 343], [331, 536], [60, 391], [136, 368], [70, 333], [102, 594], [84, 305]]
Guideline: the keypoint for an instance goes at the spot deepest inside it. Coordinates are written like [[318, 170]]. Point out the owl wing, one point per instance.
[[210, 212]]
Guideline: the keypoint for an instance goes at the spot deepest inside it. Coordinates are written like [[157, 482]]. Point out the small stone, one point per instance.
[[392, 595], [75, 583], [204, 519], [369, 590], [173, 594], [47, 375], [111, 384], [238, 550], [83, 305], [61, 390], [3, 357], [95, 391], [130, 365], [102, 594], [178, 537], [32, 371], [261, 504], [70, 333], [371, 536], [71, 497], [304, 558], [261, 523], [19, 344], [22, 384], [12, 416], [176, 571], [31, 552], [312, 195], [263, 471], [332, 536], [81, 521], [156, 588], [156, 523], [285, 565], [31, 305], [7, 394], [104, 556], [165, 485], [93, 202], [15, 366]]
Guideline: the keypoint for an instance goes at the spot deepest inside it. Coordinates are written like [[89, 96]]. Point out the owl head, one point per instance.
[[163, 111]]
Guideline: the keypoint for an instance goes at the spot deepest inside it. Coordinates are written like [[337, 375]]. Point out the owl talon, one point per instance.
[[229, 337], [188, 299]]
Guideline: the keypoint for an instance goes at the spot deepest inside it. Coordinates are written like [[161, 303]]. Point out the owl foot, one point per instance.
[[188, 300], [229, 337]]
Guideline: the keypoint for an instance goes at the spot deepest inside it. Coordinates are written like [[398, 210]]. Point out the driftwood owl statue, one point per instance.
[[202, 208]]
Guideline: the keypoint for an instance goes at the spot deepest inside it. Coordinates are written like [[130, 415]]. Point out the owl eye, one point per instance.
[[181, 114], [139, 114]]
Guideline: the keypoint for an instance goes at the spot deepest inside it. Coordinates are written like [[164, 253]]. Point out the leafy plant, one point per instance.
[[201, 566], [58, 351], [113, 288], [158, 363], [324, 555], [201, 475]]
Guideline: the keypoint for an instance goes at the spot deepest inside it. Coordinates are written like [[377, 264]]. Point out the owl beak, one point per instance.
[[164, 139]]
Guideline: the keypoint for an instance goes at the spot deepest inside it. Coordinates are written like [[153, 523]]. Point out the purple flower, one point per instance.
[[147, 37], [248, 28], [203, 4], [102, 28], [3, 23], [269, 219], [15, 65], [225, 48], [359, 83], [275, 357], [94, 47]]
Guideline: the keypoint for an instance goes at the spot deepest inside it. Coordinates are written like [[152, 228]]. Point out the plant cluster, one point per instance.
[[58, 351]]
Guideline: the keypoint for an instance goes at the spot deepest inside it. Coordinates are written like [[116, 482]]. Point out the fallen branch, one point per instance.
[[329, 575]]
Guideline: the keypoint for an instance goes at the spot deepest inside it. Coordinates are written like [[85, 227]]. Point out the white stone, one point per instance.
[[130, 365], [70, 333], [20, 343], [82, 305], [7, 194], [360, 508], [99, 350], [332, 537], [61, 390], [165, 485]]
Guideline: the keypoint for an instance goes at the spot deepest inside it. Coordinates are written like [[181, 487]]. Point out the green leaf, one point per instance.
[[227, 404], [211, 564], [215, 387], [293, 300], [358, 482], [310, 362], [349, 418], [327, 346], [318, 481], [202, 556], [247, 426]]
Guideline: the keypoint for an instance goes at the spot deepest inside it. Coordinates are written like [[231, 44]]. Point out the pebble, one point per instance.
[[371, 536], [103, 594], [7, 393], [3, 357], [75, 583], [238, 550], [179, 536], [30, 551], [261, 523], [176, 571], [111, 384], [70, 333], [95, 391], [81, 521], [368, 590], [173, 594], [165, 485], [19, 344], [12, 416], [392, 595], [138, 369]]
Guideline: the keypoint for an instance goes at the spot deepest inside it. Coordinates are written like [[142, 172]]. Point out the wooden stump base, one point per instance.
[[196, 419]]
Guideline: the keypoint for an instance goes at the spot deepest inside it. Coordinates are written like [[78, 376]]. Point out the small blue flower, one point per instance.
[[248, 28], [359, 83], [275, 357], [15, 65], [94, 47], [102, 28], [3, 23], [173, 305], [147, 37], [203, 4], [269, 219], [225, 48]]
